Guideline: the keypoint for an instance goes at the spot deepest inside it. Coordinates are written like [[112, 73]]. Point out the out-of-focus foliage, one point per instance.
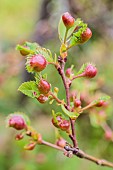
[[18, 23]]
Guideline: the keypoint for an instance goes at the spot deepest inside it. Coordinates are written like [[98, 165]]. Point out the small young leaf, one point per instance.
[[82, 69], [30, 89], [76, 37], [103, 98], [32, 46], [27, 47], [72, 115], [38, 76]]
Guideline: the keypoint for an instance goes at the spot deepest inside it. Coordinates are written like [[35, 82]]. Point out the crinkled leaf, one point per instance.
[[31, 47], [72, 115], [30, 89], [103, 98], [45, 52], [82, 69], [76, 37], [38, 76]]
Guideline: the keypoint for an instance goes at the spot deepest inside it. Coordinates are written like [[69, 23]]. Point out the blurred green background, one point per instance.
[[36, 20]]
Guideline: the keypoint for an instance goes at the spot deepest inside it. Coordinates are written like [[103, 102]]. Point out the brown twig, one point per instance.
[[77, 76], [66, 85], [52, 145], [56, 98], [75, 144], [79, 153]]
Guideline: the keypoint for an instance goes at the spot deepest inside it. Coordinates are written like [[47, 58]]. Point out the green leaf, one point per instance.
[[72, 115], [61, 30], [30, 89], [32, 46], [93, 120]]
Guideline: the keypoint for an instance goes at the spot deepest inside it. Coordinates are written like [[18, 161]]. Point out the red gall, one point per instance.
[[38, 62], [68, 20]]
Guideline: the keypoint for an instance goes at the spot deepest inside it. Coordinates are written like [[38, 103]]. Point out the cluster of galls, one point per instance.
[[61, 123], [69, 21], [89, 72], [38, 63], [44, 88], [18, 122]]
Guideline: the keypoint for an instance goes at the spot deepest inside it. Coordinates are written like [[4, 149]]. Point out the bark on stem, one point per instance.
[[79, 153], [56, 98], [66, 85]]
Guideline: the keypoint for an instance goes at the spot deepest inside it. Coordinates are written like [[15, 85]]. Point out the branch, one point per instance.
[[56, 98], [52, 145], [73, 137], [79, 153], [66, 85]]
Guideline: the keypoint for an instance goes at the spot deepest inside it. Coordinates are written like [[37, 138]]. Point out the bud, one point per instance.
[[38, 62], [69, 154], [100, 103], [25, 51], [68, 72], [56, 122], [90, 71], [108, 135], [61, 142], [56, 89], [39, 140], [77, 103], [73, 95], [42, 98], [19, 136], [68, 20], [30, 146], [86, 35], [44, 86], [65, 125], [16, 121], [61, 123]]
